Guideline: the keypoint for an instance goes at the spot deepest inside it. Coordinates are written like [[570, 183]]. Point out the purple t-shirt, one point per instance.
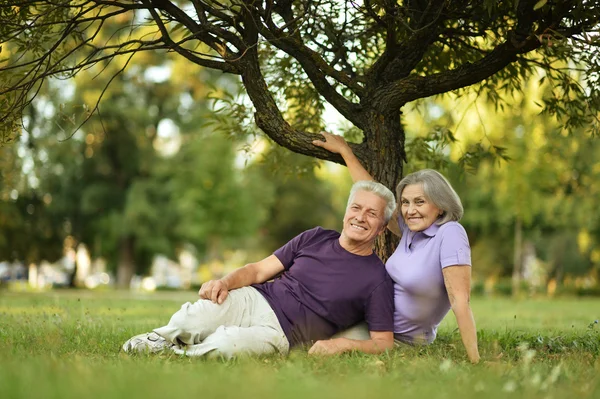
[[420, 296], [325, 289]]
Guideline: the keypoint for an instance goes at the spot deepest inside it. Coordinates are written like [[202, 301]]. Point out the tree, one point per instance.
[[218, 205], [28, 224], [368, 60], [301, 200]]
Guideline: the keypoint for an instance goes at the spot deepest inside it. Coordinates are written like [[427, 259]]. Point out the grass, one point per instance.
[[65, 344]]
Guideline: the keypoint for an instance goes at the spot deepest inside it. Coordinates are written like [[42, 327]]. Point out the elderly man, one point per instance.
[[329, 282]]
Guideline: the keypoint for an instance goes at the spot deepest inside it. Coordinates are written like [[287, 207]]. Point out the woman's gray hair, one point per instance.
[[378, 189], [438, 190]]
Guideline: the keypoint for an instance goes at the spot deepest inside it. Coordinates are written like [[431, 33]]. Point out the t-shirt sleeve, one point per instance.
[[455, 248], [379, 308], [288, 252]]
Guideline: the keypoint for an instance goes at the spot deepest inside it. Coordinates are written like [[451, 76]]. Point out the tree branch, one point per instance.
[[414, 87], [316, 69], [268, 116], [184, 52], [400, 59]]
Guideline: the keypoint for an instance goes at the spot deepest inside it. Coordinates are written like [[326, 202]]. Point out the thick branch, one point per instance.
[[414, 87], [268, 116], [399, 59]]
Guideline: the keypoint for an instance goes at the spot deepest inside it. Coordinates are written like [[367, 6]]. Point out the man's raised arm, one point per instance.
[[252, 273]]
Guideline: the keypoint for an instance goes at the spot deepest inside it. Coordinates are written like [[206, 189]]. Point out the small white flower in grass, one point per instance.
[[480, 386], [510, 386], [554, 374], [528, 357], [527, 354], [536, 380], [552, 377], [379, 364], [523, 346], [445, 365]]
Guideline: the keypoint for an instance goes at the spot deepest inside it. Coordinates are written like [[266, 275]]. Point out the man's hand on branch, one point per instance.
[[333, 143]]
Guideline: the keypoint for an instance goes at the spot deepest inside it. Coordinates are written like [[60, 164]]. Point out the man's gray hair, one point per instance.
[[378, 189], [438, 190]]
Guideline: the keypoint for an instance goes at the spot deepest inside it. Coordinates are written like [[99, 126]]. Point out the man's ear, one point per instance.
[[383, 228]]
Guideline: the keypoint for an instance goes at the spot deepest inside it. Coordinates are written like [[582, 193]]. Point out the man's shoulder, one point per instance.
[[377, 273], [319, 233], [308, 238], [381, 273]]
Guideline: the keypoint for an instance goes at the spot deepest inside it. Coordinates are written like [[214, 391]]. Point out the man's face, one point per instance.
[[364, 218]]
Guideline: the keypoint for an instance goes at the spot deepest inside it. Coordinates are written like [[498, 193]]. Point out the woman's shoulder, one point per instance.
[[452, 225], [452, 228]]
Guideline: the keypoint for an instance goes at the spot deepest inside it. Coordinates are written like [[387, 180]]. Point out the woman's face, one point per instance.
[[417, 211]]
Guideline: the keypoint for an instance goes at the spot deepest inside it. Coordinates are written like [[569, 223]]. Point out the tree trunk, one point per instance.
[[517, 257], [384, 138], [126, 265], [72, 277]]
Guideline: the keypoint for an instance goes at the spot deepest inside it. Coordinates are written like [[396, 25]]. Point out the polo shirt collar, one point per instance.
[[432, 230]]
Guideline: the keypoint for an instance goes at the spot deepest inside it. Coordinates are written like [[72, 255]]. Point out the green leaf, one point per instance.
[[540, 4]]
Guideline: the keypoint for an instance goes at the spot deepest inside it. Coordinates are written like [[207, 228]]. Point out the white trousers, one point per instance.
[[358, 331], [243, 324]]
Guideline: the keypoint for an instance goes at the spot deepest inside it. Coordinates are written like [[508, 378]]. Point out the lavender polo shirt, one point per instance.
[[325, 289], [420, 296]]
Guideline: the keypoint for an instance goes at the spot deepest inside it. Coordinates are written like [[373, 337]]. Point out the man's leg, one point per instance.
[[193, 323], [262, 336], [228, 342]]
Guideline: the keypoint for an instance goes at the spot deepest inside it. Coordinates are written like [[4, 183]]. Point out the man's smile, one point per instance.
[[357, 227]]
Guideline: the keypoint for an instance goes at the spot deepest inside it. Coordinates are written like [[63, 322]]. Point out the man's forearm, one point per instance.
[[341, 345], [357, 171], [241, 277], [371, 346]]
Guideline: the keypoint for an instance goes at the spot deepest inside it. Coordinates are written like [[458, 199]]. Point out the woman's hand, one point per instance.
[[333, 143]]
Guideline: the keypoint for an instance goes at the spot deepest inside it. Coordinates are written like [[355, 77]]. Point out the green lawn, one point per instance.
[[65, 344]]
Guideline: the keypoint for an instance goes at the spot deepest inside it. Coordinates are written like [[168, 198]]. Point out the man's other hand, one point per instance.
[[214, 290], [328, 347]]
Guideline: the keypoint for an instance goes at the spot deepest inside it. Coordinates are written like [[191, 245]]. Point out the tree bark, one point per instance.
[[126, 265], [384, 142]]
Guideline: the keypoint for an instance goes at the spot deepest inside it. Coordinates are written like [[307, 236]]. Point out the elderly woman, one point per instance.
[[431, 267]]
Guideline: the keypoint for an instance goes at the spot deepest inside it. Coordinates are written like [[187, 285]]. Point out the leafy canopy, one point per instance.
[[367, 59]]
